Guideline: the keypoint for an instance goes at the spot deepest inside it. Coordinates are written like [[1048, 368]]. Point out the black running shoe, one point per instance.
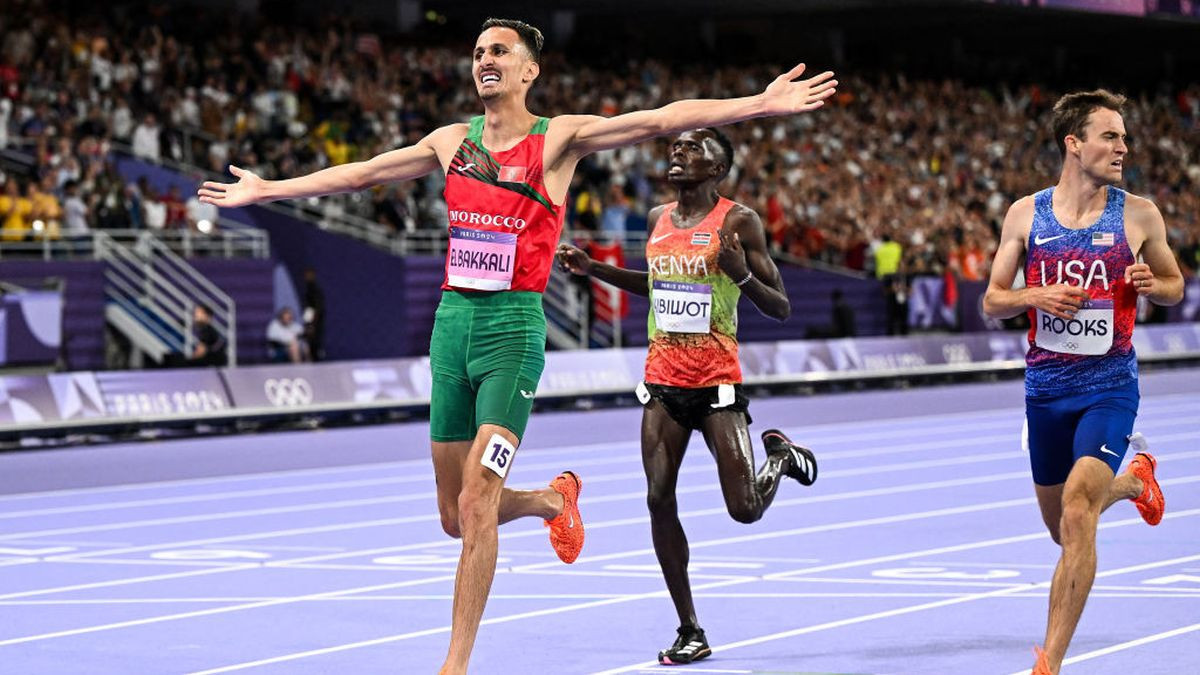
[[689, 646], [802, 465]]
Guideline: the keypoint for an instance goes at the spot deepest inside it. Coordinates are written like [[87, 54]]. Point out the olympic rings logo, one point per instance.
[[1071, 345], [287, 392]]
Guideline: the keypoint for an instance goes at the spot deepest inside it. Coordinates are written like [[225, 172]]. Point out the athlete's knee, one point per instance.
[[1078, 523], [450, 523], [661, 501], [477, 508], [745, 512], [1055, 534], [1052, 521]]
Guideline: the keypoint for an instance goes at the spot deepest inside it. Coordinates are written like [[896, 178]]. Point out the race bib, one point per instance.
[[498, 455], [681, 307], [1090, 333], [481, 260]]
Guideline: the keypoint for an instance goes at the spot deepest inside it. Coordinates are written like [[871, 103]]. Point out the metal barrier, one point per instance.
[[152, 293], [232, 240]]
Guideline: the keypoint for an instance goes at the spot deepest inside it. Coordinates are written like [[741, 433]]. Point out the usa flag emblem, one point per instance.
[[1103, 239], [512, 174], [701, 238]]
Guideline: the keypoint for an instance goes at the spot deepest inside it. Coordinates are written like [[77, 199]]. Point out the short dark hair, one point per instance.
[[1072, 110], [530, 36], [726, 147]]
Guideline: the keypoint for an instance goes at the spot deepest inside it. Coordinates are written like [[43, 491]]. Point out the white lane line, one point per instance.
[[901, 611], [425, 477], [338, 527], [391, 499], [882, 520], [924, 446], [642, 520], [374, 467], [386, 522], [831, 526], [956, 548], [179, 520], [778, 504], [1151, 407], [630, 496], [216, 610], [446, 629], [191, 499], [122, 582], [663, 593], [1126, 645]]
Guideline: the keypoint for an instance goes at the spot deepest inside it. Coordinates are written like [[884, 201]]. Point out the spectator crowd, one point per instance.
[[927, 167]]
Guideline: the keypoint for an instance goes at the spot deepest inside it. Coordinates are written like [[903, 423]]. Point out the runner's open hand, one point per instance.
[[783, 96], [247, 190]]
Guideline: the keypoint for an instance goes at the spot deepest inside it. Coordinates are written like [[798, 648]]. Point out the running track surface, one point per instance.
[[920, 549]]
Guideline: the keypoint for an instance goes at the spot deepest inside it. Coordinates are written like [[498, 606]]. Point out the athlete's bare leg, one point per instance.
[[747, 495], [664, 442], [1090, 488], [472, 501], [1050, 501]]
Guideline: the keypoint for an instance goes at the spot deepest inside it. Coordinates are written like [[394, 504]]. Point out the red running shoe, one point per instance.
[[566, 529]]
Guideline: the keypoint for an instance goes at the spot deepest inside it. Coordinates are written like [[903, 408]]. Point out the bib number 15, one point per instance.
[[498, 455]]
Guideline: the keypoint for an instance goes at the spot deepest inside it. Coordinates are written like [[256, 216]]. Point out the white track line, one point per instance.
[[123, 525], [1125, 645], [589, 605], [425, 478], [379, 523], [210, 612], [377, 466], [828, 527], [1150, 407], [366, 524], [900, 611], [630, 496], [179, 520]]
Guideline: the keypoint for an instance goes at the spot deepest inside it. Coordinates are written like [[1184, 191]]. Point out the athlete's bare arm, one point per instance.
[[744, 253], [1003, 302], [576, 261], [428, 155], [571, 137], [1158, 277]]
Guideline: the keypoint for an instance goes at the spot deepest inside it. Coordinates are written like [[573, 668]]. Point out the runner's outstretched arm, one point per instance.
[[406, 163], [578, 135]]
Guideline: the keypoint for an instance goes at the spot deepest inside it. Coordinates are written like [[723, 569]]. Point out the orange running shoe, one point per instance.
[[566, 529], [1150, 503], [1042, 666]]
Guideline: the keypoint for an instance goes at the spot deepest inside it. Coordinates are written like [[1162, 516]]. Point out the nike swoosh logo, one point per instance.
[[1104, 448], [527, 394], [655, 240], [1042, 240], [570, 521], [465, 167]]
